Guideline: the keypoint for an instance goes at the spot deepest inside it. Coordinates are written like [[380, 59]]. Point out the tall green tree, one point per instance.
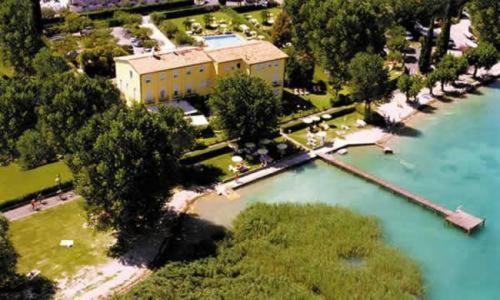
[[299, 68], [8, 258], [246, 107], [18, 100], [485, 19], [334, 31], [485, 55], [46, 63], [444, 37], [450, 68], [75, 99], [424, 63], [19, 36], [34, 150], [404, 85], [281, 33], [124, 162], [368, 79]]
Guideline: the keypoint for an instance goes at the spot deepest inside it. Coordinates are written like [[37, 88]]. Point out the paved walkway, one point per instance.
[[26, 210], [164, 43]]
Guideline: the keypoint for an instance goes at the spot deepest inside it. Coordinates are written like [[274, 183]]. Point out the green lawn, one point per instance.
[[222, 163], [37, 238], [335, 126], [258, 15], [199, 19], [15, 182]]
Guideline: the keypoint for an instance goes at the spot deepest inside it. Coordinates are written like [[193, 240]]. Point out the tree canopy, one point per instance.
[[368, 79], [125, 160], [449, 68], [19, 36], [485, 19], [485, 55], [334, 31], [246, 107]]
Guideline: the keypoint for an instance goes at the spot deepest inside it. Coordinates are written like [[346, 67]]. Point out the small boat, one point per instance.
[[342, 151], [388, 150]]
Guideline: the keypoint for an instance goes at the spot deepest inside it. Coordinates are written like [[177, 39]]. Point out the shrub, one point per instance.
[[121, 18], [33, 149], [169, 28], [181, 38]]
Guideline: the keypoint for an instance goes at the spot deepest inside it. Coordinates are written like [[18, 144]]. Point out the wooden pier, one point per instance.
[[458, 218]]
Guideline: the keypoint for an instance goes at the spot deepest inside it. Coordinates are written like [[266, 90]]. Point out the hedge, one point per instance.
[[139, 9], [190, 11], [249, 8], [201, 155], [299, 124], [25, 199]]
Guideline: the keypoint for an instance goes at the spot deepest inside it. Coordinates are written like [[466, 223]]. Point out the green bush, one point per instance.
[[182, 38], [33, 149], [169, 28], [188, 12], [121, 18], [285, 251], [204, 154]]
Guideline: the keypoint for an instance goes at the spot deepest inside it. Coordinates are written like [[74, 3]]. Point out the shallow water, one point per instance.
[[452, 158]]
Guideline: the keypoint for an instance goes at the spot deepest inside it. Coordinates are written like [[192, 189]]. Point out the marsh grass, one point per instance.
[[292, 251]]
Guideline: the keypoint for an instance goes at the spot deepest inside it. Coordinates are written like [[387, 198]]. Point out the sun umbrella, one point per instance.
[[262, 151], [265, 141], [250, 145], [326, 116], [282, 146], [315, 119], [237, 159], [307, 120]]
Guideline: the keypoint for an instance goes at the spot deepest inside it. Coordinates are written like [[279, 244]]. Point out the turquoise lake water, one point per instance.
[[453, 158]]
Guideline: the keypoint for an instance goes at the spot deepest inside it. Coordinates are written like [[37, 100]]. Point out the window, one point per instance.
[[238, 65], [226, 68], [130, 73], [202, 69], [149, 97], [176, 73], [148, 78], [189, 88], [162, 94], [277, 92], [269, 65], [176, 90], [276, 64], [162, 76], [203, 84], [188, 72], [276, 79]]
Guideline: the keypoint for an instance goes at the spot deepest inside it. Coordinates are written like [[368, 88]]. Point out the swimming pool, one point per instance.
[[220, 41]]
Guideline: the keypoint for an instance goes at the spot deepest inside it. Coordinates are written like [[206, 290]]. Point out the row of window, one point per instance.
[[176, 72], [263, 66]]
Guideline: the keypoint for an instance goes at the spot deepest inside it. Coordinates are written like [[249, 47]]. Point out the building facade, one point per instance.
[[166, 76]]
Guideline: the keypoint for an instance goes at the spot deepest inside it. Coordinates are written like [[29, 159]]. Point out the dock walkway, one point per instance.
[[458, 218]]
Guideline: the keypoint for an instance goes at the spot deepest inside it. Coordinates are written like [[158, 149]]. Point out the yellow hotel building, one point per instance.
[[164, 76]]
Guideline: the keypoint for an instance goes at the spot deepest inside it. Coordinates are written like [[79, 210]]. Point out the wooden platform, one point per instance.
[[458, 218]]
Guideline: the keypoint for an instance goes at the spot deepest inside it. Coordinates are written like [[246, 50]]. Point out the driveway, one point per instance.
[[164, 42], [457, 33]]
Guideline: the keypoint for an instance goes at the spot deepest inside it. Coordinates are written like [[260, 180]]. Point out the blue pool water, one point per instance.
[[453, 158], [223, 41]]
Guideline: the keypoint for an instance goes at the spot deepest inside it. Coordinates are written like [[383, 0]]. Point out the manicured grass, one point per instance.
[[199, 19], [332, 133], [285, 251], [15, 182], [36, 239], [222, 162], [257, 14]]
